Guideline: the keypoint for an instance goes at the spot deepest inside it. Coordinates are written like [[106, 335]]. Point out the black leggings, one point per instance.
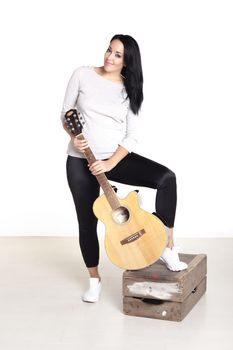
[[132, 170]]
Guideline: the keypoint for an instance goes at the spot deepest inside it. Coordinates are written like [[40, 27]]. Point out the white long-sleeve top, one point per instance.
[[102, 104]]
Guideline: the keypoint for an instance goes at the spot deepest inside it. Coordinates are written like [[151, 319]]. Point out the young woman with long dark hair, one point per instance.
[[109, 99]]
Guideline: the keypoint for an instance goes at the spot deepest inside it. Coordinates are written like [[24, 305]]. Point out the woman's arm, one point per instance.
[[71, 93], [117, 156], [69, 102], [125, 146], [102, 166]]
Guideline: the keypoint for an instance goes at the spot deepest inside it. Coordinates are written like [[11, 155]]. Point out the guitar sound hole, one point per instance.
[[120, 215]]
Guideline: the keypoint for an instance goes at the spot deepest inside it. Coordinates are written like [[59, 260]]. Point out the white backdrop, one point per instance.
[[187, 56]]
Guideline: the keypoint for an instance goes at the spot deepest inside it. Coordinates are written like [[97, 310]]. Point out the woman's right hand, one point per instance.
[[81, 145]]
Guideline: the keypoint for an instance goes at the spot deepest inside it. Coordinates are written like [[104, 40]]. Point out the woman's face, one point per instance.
[[114, 57]]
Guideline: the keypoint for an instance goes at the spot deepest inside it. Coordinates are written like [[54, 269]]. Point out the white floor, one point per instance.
[[41, 282]]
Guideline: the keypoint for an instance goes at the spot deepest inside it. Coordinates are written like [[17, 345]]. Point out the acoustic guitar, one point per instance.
[[134, 238]]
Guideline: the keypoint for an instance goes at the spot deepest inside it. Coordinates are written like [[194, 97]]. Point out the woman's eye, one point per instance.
[[117, 55]]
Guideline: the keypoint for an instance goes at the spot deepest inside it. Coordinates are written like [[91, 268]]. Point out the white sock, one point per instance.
[[171, 258], [93, 293]]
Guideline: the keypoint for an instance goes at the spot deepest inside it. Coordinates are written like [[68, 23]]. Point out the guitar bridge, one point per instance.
[[133, 237]]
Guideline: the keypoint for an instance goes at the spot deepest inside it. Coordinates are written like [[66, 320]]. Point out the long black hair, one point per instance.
[[132, 71]]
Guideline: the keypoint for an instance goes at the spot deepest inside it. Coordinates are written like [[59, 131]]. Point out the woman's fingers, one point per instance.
[[97, 167], [81, 145]]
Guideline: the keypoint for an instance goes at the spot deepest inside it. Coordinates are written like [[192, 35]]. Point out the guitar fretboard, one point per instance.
[[102, 179]]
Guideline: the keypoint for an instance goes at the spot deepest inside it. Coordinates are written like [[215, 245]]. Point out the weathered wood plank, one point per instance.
[[162, 309], [157, 282]]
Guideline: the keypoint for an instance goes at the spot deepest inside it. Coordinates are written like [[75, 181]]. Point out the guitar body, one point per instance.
[[134, 238]]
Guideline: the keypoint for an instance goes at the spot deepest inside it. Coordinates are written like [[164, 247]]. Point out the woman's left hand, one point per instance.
[[101, 166]]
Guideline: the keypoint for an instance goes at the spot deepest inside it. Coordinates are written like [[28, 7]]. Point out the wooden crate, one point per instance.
[[157, 292]]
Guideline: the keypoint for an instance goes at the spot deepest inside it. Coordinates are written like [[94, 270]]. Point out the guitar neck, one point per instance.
[[102, 179]]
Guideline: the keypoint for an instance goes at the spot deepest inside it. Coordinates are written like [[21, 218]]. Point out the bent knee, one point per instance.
[[169, 178]]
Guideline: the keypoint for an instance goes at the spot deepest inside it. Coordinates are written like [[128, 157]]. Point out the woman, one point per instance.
[[108, 99]]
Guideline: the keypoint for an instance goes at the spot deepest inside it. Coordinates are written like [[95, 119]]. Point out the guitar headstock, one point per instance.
[[73, 122]]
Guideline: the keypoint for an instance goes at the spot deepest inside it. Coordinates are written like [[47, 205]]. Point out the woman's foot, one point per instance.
[[93, 293], [171, 258]]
